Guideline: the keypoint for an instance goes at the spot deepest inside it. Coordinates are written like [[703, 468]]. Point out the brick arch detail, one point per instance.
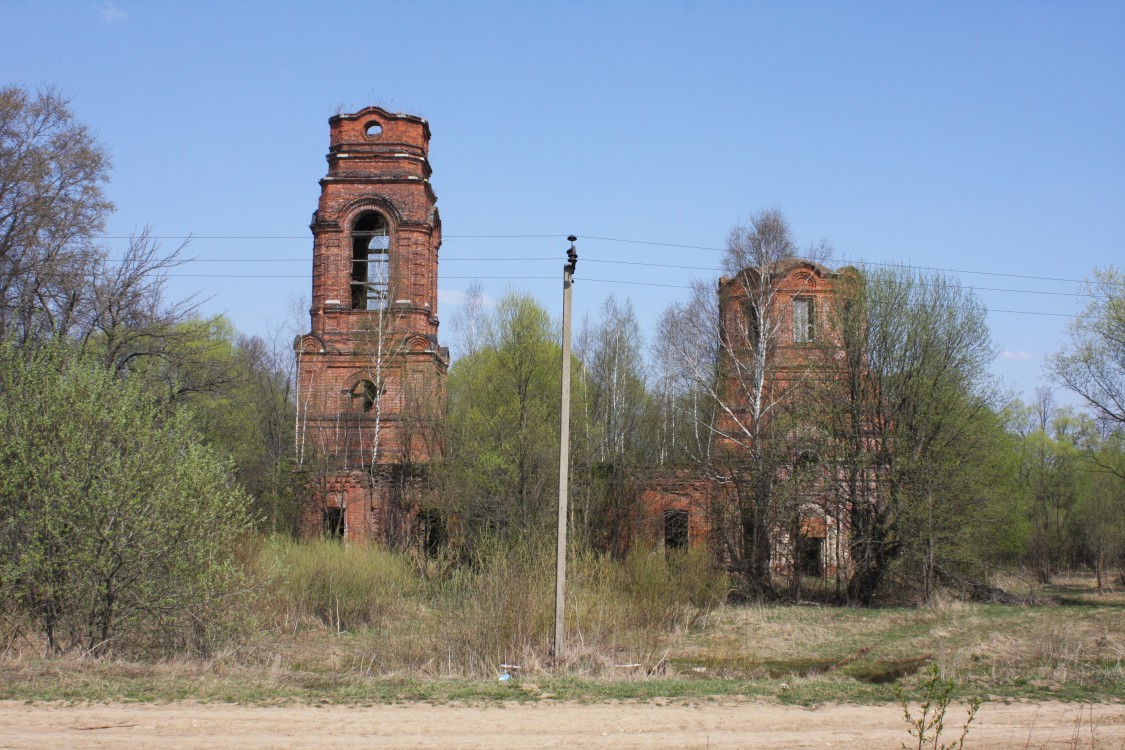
[[309, 343], [346, 216]]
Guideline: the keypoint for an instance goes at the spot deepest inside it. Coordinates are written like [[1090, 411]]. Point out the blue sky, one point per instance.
[[985, 137]]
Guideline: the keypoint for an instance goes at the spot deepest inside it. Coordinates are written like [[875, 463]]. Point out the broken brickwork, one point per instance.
[[371, 372], [804, 349]]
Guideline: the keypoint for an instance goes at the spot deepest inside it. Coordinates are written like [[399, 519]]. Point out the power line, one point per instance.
[[605, 281], [862, 263], [612, 239], [186, 237], [1031, 312], [599, 281], [655, 244], [633, 283], [613, 262]]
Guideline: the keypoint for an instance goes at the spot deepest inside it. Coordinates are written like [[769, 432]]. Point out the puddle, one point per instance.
[[887, 670], [774, 669]]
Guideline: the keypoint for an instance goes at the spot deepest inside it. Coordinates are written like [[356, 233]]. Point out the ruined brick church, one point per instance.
[[371, 371]]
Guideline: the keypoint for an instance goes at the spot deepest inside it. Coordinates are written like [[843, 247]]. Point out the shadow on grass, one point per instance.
[[877, 672], [1077, 595]]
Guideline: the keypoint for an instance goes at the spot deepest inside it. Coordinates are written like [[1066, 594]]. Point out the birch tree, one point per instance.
[[733, 359], [616, 429]]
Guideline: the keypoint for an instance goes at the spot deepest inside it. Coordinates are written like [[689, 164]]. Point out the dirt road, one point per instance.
[[719, 724]]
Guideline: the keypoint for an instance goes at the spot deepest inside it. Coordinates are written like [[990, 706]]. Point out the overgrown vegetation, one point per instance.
[[1070, 648], [495, 610], [147, 500]]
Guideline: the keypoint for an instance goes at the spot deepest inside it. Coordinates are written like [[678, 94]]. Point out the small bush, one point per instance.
[[926, 723]]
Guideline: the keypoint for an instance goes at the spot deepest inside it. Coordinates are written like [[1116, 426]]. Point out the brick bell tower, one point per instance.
[[371, 373]]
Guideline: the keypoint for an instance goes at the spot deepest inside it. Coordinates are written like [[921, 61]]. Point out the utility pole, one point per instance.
[[564, 452]]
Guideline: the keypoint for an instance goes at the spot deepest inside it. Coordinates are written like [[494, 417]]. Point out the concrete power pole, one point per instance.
[[564, 453]]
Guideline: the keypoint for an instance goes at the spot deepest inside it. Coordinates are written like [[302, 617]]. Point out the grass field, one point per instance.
[[385, 633]]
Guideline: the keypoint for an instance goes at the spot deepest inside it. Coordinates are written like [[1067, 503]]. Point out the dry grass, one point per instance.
[[361, 624], [497, 610]]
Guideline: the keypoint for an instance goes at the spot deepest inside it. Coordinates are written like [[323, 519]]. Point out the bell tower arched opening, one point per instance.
[[371, 262]]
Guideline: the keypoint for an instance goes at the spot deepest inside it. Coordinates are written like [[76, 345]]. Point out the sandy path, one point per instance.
[[722, 724]]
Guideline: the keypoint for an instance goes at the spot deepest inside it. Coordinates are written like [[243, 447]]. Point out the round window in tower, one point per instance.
[[373, 130]]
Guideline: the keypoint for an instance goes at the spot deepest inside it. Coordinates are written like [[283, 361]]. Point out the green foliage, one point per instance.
[[1050, 477], [1092, 364], [117, 527], [1099, 520], [503, 420], [1072, 485], [236, 389], [246, 412], [915, 404]]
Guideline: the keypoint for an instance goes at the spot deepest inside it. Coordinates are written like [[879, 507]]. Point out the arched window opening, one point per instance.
[[364, 394], [371, 262]]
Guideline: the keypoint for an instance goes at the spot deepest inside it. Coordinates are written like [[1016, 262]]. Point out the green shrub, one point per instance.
[[117, 526]]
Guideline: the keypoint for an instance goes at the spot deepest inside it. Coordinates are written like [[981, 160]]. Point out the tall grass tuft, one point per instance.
[[630, 608], [498, 610], [337, 586]]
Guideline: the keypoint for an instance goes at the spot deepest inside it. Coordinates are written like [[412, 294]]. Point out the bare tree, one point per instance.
[[56, 280], [613, 366], [1092, 364], [686, 408], [733, 355], [52, 206]]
